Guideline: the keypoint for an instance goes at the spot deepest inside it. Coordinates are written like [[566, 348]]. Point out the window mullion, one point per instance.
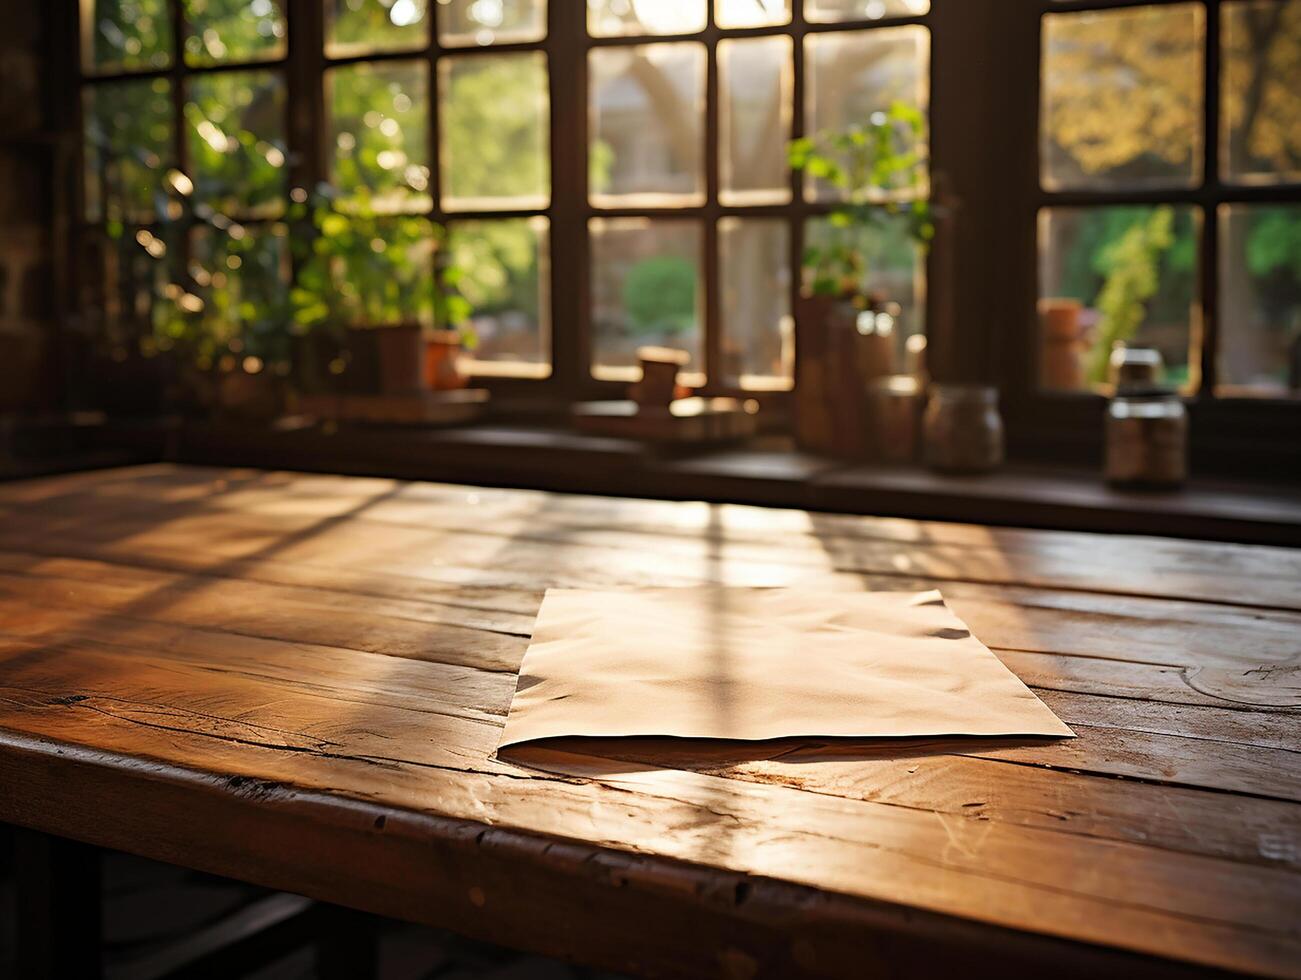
[[570, 314], [713, 341], [1209, 333], [305, 64], [434, 138], [797, 216], [180, 141], [180, 145]]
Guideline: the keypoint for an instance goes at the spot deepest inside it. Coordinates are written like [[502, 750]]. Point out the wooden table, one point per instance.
[[300, 680]]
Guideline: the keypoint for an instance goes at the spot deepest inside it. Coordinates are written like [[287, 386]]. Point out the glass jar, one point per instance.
[[963, 430], [1147, 425]]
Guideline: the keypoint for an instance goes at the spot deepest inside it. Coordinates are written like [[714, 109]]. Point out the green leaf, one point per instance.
[[798, 152], [334, 225]]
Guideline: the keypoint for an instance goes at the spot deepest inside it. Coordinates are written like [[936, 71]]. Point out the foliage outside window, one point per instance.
[[427, 193]]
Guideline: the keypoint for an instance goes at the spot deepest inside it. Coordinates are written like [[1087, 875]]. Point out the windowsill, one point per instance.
[[765, 473]]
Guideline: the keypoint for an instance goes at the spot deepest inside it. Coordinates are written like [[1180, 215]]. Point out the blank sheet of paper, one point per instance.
[[763, 663]]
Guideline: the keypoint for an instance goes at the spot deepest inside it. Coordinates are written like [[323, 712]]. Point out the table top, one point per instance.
[[300, 681]]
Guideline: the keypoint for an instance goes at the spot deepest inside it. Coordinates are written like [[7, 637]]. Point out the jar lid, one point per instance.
[[1136, 367], [1146, 408]]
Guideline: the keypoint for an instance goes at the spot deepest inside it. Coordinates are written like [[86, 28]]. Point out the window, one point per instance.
[[610, 174], [1170, 152], [185, 180], [695, 224], [613, 173]]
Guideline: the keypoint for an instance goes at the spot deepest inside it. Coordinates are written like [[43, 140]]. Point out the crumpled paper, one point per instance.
[[732, 663]]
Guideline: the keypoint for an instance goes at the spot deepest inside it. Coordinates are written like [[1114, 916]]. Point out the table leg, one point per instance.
[[59, 901], [348, 947]]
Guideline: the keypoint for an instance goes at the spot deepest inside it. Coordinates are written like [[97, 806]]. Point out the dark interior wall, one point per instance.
[[26, 214]]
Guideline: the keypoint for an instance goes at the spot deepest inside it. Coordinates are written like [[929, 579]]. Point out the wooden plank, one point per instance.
[[1237, 728], [279, 614], [1174, 633], [1233, 574], [1241, 688], [937, 776], [336, 672]]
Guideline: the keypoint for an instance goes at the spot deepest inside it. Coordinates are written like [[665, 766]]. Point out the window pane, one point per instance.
[[1261, 95], [752, 13], [128, 278], [128, 146], [754, 276], [828, 11], [466, 22], [852, 74], [361, 26], [645, 291], [233, 30], [236, 123], [121, 35], [242, 280], [894, 273], [1107, 275], [754, 120], [379, 135], [1260, 300], [619, 18], [1122, 98], [647, 106], [503, 271], [504, 95]]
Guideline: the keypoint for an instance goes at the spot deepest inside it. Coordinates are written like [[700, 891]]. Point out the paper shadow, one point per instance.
[[588, 756]]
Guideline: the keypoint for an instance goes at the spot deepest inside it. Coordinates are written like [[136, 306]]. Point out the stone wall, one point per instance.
[[26, 219]]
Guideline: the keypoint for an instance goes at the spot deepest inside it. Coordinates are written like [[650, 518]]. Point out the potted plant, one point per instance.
[[367, 281], [878, 171]]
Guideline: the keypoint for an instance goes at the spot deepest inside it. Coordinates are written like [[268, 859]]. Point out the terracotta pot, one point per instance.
[[1061, 350], [442, 351], [659, 376], [1060, 318]]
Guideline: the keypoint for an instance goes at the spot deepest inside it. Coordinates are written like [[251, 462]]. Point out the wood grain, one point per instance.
[[246, 672]]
